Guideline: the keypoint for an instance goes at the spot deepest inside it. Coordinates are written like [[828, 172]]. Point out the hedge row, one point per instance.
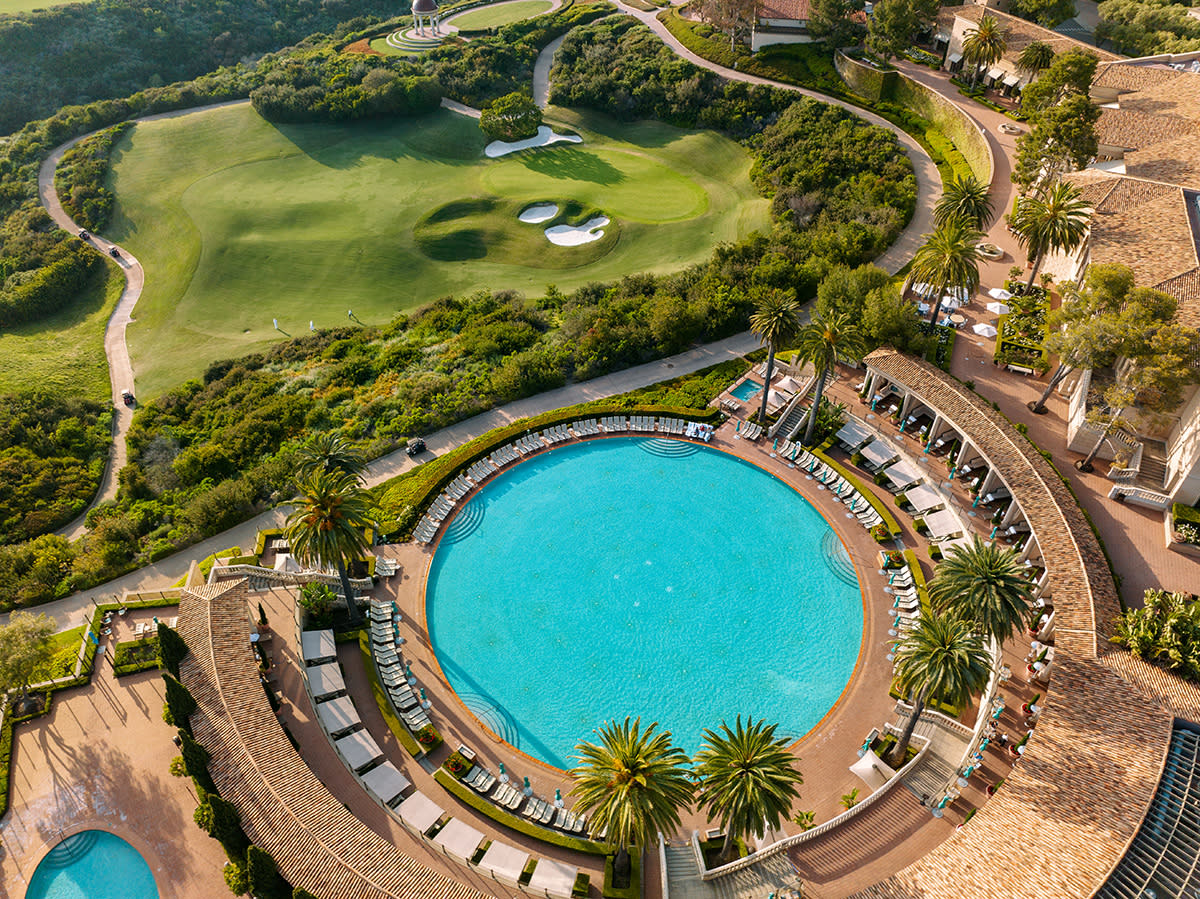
[[889, 520], [381, 699], [403, 499]]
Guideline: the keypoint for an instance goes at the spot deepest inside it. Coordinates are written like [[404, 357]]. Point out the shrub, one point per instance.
[[237, 879], [263, 875], [195, 760], [179, 702], [171, 649], [512, 117]]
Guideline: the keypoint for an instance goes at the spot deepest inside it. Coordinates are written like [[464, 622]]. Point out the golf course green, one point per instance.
[[240, 223], [496, 15]]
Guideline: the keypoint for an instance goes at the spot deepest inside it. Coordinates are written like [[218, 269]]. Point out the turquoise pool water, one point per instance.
[[635, 576], [92, 864], [746, 389]]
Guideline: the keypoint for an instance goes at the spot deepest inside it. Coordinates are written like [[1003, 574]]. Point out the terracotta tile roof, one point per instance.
[[284, 808], [785, 9], [1092, 765], [1144, 225], [1020, 32], [1173, 161], [1131, 128], [1122, 77], [1176, 97]]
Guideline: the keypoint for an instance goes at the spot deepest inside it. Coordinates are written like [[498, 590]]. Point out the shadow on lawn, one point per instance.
[[571, 164]]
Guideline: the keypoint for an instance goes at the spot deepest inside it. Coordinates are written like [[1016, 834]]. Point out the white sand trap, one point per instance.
[[545, 136], [538, 213], [574, 235]]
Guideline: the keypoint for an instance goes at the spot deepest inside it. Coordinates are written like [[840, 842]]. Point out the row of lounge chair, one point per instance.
[[507, 796], [392, 671], [641, 423], [585, 427], [556, 434], [752, 431], [614, 423], [841, 489]]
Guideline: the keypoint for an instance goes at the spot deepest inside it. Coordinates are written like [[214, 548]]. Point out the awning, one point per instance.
[[943, 523], [777, 399], [338, 715], [459, 839], [995, 74], [1011, 80], [902, 474], [385, 783], [954, 58], [854, 434], [925, 499], [871, 770], [419, 812], [789, 384], [359, 749], [325, 681], [317, 646], [287, 562], [505, 862], [553, 878], [878, 454]]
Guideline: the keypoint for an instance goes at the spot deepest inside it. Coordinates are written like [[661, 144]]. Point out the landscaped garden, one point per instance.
[[497, 15], [1022, 331], [301, 223]]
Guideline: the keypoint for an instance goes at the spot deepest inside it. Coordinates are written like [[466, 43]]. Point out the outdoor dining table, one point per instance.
[[957, 318]]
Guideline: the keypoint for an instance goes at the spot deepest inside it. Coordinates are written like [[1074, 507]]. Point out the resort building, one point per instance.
[[781, 22], [1145, 191], [954, 22]]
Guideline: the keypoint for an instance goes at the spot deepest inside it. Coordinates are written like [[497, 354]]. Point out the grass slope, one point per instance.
[[238, 221], [64, 354], [499, 14], [15, 6]]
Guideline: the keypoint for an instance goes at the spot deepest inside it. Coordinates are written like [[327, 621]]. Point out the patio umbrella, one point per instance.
[[998, 308], [983, 329], [528, 788], [558, 800], [503, 774], [999, 293]]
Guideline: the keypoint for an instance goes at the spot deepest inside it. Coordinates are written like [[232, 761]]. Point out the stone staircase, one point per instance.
[[948, 744], [1152, 473], [407, 40], [792, 420], [683, 877]]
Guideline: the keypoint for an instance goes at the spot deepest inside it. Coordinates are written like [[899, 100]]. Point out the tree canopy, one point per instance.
[[512, 117], [24, 647]]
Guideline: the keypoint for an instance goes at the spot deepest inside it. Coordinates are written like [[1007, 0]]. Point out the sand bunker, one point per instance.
[[574, 235], [545, 136], [538, 213]]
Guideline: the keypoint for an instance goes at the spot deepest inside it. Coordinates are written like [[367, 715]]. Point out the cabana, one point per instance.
[[359, 750], [853, 434], [504, 862], [386, 783], [943, 524], [903, 474], [419, 812], [325, 681], [338, 716], [924, 499], [788, 384], [872, 771], [878, 454], [317, 647], [459, 839], [551, 878]]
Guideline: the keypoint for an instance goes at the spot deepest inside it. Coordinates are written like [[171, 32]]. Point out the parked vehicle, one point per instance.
[[127, 397]]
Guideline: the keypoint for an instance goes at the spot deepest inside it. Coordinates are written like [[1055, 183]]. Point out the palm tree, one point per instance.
[[328, 525], [775, 319], [1035, 57], [967, 198], [327, 451], [748, 779], [985, 586], [633, 783], [949, 259], [1057, 220], [823, 343], [939, 657], [984, 44]]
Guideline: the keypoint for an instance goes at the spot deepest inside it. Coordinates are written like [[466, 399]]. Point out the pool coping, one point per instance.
[[38, 852], [869, 618]]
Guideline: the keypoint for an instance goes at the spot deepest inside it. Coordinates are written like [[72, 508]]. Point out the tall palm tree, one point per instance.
[[824, 342], [1035, 57], [775, 319], [328, 524], [984, 44], [748, 779], [633, 783], [966, 198], [326, 451], [985, 586], [940, 657], [948, 259], [1056, 220]]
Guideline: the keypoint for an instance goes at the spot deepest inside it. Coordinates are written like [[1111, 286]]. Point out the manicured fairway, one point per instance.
[[13, 6], [239, 222], [499, 14]]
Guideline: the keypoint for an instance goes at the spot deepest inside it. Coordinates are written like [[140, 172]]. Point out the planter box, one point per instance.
[[1184, 549]]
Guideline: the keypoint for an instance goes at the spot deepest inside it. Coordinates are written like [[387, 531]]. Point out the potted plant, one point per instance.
[[1027, 707], [262, 619]]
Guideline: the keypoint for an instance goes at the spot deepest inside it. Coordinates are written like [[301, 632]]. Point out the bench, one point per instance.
[[1020, 369]]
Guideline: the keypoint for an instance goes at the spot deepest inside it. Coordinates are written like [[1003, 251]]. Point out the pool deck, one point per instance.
[[99, 760]]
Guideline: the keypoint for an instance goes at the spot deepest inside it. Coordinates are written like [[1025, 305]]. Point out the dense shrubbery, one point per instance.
[[52, 453], [80, 52], [1146, 27], [79, 179]]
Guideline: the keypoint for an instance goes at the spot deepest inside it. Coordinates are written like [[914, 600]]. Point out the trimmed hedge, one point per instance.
[[403, 499], [889, 520], [634, 890], [381, 699], [918, 579], [465, 794], [133, 656]]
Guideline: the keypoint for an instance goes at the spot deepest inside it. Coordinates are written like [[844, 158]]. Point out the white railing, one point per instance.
[[1150, 498], [799, 838], [1130, 471], [285, 578], [783, 416], [662, 864]]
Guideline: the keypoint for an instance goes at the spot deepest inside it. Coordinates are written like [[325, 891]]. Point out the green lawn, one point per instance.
[[238, 222], [14, 6], [64, 651], [64, 353], [499, 14]]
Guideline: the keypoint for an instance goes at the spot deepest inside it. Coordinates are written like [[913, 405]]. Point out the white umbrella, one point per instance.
[[999, 293], [983, 329], [998, 308]]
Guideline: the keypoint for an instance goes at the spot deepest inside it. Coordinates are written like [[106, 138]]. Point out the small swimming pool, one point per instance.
[[92, 864], [746, 389], [642, 577]]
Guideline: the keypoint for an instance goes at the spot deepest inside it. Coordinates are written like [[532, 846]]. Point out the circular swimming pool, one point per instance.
[[92, 864], [642, 577]]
